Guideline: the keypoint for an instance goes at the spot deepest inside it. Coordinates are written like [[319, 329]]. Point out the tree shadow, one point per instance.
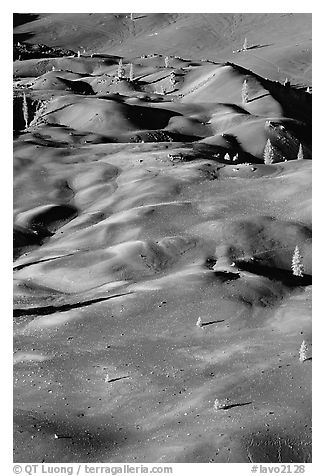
[[211, 322], [233, 405], [257, 47], [21, 37], [258, 97], [226, 275], [275, 274]]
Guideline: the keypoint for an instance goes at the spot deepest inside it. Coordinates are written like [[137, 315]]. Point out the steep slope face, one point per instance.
[[156, 315]]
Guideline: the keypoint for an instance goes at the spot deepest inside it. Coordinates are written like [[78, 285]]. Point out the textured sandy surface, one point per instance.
[[130, 224]]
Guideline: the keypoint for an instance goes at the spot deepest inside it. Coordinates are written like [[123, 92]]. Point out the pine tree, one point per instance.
[[308, 90], [131, 16], [166, 61], [245, 45], [268, 153], [227, 156], [221, 404], [303, 351], [296, 265], [300, 155], [199, 322], [25, 110], [78, 54], [131, 74], [244, 92], [120, 69]]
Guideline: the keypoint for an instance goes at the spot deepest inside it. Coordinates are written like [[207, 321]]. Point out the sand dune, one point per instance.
[[143, 204]]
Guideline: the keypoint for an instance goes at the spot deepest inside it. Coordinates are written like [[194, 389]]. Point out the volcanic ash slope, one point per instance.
[[139, 207]]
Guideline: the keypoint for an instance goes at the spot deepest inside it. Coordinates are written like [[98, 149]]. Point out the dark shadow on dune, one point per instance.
[[117, 378], [233, 405], [296, 103], [52, 217], [275, 274], [78, 87], [82, 442], [232, 140], [258, 97], [225, 276], [45, 260], [21, 37], [255, 47], [211, 322], [24, 238], [41, 226], [22, 18], [46, 310]]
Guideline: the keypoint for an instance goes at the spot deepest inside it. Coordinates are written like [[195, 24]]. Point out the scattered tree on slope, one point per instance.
[[303, 351], [131, 74], [199, 322], [300, 155], [25, 110], [244, 92], [120, 69], [268, 153], [296, 265]]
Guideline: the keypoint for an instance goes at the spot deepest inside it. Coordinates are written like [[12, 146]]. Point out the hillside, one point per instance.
[[154, 236]]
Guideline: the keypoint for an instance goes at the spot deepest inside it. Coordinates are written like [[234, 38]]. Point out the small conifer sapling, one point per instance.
[[268, 153], [303, 352], [221, 404], [296, 265], [25, 110], [245, 45], [244, 92], [227, 156], [166, 61], [120, 69], [172, 78], [300, 155], [131, 73], [199, 322]]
